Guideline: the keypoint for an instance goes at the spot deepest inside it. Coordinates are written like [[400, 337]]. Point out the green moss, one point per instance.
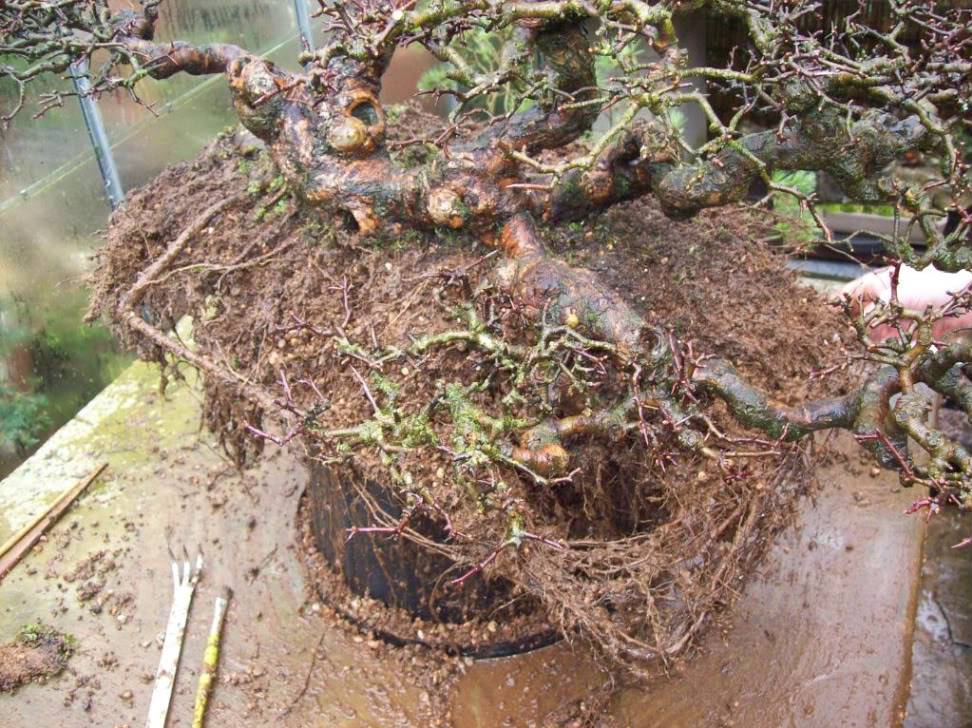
[[346, 347], [416, 431], [33, 634], [386, 386], [622, 185], [370, 432], [118, 431], [417, 155]]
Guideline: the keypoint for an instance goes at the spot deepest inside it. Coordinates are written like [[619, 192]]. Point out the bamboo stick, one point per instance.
[[210, 659], [21, 542]]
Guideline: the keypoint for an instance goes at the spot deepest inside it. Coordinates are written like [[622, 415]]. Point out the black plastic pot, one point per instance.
[[393, 570], [397, 571]]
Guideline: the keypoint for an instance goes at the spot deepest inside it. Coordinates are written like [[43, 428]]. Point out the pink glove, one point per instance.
[[916, 290]]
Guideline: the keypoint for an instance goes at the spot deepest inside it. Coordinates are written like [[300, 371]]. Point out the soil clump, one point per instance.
[[37, 653]]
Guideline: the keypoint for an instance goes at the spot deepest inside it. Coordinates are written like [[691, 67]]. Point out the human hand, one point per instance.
[[916, 291]]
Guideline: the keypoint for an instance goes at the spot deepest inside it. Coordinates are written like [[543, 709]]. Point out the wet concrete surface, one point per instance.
[[167, 487], [941, 693], [822, 637]]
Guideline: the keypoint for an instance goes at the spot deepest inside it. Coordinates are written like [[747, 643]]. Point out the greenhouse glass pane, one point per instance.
[[52, 203], [35, 150], [173, 119]]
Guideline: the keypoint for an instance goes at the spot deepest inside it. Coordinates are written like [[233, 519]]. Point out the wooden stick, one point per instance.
[[210, 659], [23, 541], [184, 582]]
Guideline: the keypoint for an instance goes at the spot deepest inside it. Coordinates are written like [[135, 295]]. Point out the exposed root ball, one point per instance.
[[594, 481]]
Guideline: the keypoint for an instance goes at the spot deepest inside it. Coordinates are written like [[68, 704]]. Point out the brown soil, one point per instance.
[[647, 538], [38, 653]]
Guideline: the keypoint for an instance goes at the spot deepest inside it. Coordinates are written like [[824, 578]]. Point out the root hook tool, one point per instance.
[[184, 579]]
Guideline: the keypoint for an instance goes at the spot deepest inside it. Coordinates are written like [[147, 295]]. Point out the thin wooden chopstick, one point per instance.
[[21, 542]]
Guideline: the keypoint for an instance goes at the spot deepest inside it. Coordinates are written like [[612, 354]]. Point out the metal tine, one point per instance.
[[174, 564], [184, 571], [186, 565]]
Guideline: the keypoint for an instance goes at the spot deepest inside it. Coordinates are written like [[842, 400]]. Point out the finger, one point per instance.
[[953, 325], [881, 332], [861, 294], [868, 287]]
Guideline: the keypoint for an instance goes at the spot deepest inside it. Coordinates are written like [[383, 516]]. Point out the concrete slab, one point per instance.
[[941, 692], [168, 487], [821, 638]]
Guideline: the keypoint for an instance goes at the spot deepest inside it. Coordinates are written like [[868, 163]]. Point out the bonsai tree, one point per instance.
[[473, 442]]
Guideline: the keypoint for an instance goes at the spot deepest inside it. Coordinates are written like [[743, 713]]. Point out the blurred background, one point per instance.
[[54, 205]]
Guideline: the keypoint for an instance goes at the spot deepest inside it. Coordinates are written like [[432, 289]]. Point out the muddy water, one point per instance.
[[941, 692], [167, 487], [819, 639]]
